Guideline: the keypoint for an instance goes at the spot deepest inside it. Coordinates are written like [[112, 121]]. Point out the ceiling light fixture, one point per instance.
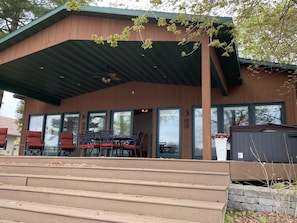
[[105, 80]]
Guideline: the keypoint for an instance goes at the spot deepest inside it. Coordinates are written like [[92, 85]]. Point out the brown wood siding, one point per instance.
[[148, 95], [81, 28]]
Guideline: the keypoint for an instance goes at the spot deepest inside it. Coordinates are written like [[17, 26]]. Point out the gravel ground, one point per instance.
[[258, 217]]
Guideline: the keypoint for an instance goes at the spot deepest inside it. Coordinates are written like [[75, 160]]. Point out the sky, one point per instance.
[[9, 105]]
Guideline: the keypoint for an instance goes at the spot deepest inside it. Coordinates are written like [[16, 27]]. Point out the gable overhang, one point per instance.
[[74, 64]]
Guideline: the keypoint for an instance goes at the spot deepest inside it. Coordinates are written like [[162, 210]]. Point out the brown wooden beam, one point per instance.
[[218, 74], [206, 97]]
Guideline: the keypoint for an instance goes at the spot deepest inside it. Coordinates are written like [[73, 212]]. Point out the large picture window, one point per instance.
[[122, 123], [96, 121], [268, 114], [225, 116]]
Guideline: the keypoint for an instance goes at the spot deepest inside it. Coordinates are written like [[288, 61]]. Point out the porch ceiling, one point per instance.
[[71, 68]]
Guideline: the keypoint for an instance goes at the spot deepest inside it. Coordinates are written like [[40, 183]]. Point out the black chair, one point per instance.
[[87, 144], [107, 143], [134, 145]]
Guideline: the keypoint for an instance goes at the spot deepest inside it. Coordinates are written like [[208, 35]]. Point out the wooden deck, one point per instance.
[[256, 171]]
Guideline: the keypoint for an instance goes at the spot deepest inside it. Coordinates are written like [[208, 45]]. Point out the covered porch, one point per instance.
[[71, 84]]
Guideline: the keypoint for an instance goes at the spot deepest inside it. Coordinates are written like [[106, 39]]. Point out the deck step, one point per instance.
[[120, 190], [215, 193], [139, 163], [122, 203], [162, 175], [32, 212]]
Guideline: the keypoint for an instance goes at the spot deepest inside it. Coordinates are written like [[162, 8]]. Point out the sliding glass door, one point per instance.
[[169, 133]]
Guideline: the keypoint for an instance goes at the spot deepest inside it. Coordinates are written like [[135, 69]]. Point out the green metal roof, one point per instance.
[[70, 68]]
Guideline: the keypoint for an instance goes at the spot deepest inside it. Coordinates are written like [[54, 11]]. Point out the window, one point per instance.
[[122, 123], [71, 124], [235, 115], [268, 114], [36, 122], [198, 146], [169, 124], [96, 121], [52, 130], [224, 116]]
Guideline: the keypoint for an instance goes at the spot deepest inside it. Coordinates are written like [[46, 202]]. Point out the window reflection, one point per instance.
[[169, 132], [268, 114], [71, 123], [122, 123], [52, 129], [237, 115], [198, 144], [96, 121], [36, 122]]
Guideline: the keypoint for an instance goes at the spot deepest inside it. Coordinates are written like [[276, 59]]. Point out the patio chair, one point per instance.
[[87, 144], [34, 144], [134, 145], [107, 143], [66, 145], [3, 138]]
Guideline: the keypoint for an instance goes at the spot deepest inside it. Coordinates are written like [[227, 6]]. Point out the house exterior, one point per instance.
[[13, 136], [69, 83]]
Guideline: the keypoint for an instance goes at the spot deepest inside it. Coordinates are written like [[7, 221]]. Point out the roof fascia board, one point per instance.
[[268, 64], [133, 13], [18, 35]]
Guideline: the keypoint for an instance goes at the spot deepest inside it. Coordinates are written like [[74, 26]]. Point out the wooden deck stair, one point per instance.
[[88, 190]]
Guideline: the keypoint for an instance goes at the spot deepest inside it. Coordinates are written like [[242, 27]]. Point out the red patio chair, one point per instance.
[[66, 144], [3, 138], [134, 145], [34, 144]]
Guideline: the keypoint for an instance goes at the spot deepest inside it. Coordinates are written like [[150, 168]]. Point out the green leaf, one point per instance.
[[148, 44]]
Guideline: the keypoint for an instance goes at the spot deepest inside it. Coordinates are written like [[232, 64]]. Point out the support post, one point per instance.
[[206, 97]]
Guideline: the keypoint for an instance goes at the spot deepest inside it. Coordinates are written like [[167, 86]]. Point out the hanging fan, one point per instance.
[[107, 77]]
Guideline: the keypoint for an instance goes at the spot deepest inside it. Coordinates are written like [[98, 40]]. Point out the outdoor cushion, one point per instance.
[[131, 147], [66, 140], [3, 136], [34, 139]]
